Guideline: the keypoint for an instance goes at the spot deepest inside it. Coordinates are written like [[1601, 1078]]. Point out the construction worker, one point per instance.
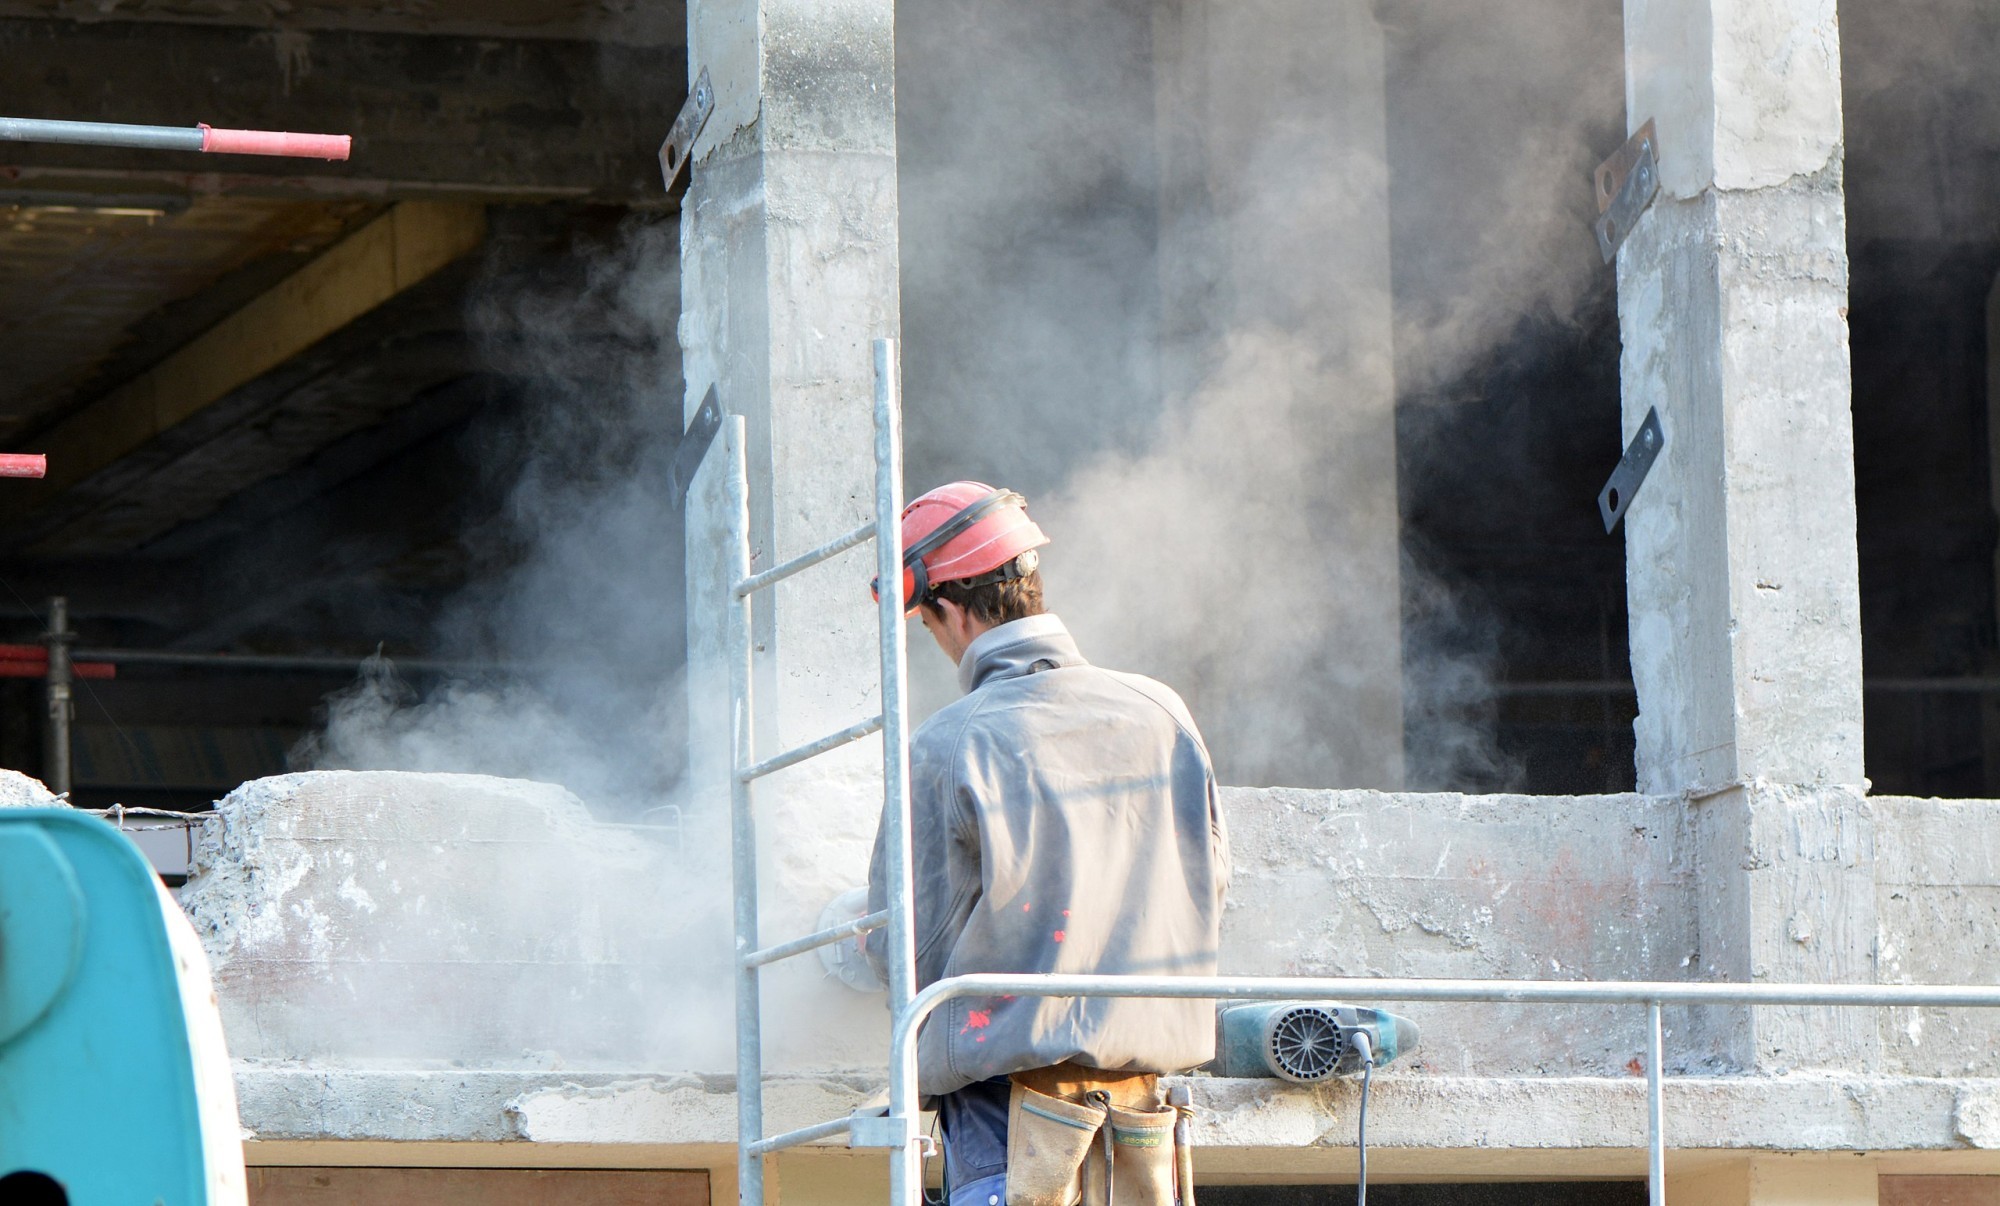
[[1064, 819]]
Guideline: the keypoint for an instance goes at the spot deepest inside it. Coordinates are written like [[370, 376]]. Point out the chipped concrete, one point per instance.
[[20, 791], [1977, 1118], [1741, 568], [1406, 1111], [437, 920], [1937, 917], [1366, 883], [388, 971]]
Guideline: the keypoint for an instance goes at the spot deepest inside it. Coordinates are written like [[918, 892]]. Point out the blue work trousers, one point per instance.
[[974, 1120]]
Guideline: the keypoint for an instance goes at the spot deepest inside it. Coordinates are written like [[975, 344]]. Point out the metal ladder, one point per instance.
[[898, 1129]]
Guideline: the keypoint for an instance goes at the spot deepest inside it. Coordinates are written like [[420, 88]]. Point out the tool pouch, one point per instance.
[[1047, 1139], [1141, 1152]]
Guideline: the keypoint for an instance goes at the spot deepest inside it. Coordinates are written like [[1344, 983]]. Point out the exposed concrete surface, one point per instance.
[[1745, 96], [387, 918], [1937, 913], [448, 958], [1978, 1119], [789, 270], [20, 791], [1740, 549], [1787, 896], [1803, 1112], [1365, 883]]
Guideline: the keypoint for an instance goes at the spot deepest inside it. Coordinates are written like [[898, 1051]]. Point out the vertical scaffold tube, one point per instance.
[[61, 705], [743, 828], [906, 1167], [1656, 1135]]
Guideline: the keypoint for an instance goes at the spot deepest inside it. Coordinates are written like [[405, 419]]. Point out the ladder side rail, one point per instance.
[[905, 1167], [743, 831]]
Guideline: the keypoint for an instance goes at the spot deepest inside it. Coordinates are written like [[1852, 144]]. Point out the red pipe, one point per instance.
[[23, 464], [273, 142], [32, 661]]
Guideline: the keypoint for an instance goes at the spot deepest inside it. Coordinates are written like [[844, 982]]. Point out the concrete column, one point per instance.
[[1277, 361], [1740, 547], [789, 269], [1732, 294], [1816, 1179]]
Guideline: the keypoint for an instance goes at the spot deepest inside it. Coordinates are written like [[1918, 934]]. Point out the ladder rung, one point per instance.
[[805, 1134], [793, 757], [811, 942], [803, 561]]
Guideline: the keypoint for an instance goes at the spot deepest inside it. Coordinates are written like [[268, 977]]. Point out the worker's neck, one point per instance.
[[954, 627]]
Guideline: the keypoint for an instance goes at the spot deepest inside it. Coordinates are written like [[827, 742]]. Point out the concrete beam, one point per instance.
[[459, 117], [1549, 1125], [392, 254], [658, 24], [1732, 294]]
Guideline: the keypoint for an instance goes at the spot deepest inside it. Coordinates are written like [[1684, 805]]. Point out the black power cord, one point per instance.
[[1367, 1073]]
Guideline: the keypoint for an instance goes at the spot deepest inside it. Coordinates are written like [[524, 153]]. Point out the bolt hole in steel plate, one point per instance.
[[41, 925]]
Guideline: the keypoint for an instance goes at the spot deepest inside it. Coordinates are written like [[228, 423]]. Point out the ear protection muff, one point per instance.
[[916, 581]]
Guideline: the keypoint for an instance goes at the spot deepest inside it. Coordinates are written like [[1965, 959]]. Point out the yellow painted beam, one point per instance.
[[357, 274]]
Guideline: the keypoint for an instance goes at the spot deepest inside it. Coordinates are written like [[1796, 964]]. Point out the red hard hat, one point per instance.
[[963, 531]]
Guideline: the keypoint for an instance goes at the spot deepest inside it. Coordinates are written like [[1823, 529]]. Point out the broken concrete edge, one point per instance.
[[24, 791], [1789, 1113]]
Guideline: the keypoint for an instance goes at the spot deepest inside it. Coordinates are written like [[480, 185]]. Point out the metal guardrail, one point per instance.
[[1654, 995]]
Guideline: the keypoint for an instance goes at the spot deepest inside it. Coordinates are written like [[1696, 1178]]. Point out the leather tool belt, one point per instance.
[[1084, 1135]]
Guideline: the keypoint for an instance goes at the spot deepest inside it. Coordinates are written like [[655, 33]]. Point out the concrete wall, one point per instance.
[[459, 959], [464, 921], [1359, 883], [1937, 914], [424, 920]]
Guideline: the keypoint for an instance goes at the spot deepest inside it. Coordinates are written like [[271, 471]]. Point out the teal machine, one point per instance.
[[114, 1082]]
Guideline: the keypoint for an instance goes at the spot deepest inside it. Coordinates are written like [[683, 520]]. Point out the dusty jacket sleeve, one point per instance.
[[937, 826]]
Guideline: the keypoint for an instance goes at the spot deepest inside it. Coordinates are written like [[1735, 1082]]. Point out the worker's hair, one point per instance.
[[995, 602]]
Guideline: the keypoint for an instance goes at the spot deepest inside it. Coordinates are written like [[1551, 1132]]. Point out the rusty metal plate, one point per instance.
[[1626, 184], [687, 127]]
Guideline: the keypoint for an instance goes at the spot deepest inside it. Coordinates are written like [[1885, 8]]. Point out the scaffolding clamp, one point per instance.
[[1626, 184]]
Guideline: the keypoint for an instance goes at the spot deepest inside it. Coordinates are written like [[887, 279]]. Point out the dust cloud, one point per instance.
[[1202, 280], [576, 604]]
